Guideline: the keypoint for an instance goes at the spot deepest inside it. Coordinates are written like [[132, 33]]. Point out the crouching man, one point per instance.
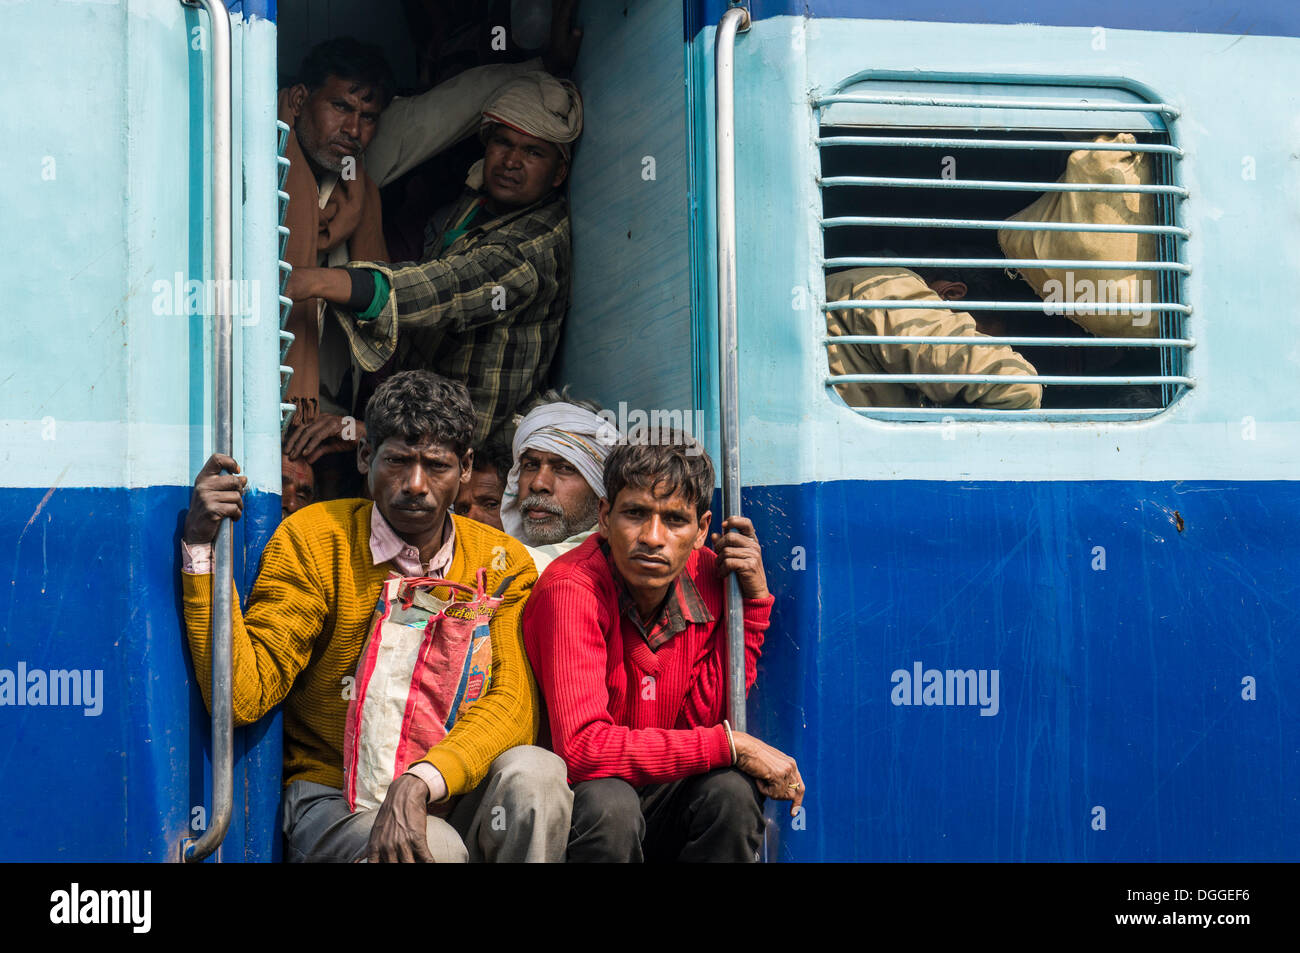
[[628, 639], [307, 621]]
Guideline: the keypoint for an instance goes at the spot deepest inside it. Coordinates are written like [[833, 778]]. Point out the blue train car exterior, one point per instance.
[[1130, 584], [106, 410]]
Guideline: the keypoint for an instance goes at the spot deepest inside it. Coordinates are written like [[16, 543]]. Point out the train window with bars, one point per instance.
[[1002, 251]]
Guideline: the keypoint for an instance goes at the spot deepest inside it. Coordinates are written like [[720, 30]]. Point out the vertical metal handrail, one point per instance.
[[734, 21], [194, 851]]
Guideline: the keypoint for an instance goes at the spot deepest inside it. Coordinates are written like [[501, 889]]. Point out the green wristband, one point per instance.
[[378, 300]]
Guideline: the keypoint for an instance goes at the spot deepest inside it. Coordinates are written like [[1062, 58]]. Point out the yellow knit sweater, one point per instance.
[[306, 625]]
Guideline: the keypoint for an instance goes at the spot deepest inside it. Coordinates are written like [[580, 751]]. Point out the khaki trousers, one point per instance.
[[519, 813]]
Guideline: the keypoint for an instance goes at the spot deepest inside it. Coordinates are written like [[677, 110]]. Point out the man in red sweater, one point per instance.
[[627, 637]]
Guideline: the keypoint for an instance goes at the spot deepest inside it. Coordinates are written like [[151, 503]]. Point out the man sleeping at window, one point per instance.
[[937, 285]]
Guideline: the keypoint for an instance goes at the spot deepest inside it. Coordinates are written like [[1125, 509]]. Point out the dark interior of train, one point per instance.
[[996, 164], [426, 42]]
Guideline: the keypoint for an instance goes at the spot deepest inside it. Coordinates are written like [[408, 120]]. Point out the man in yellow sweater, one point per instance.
[[299, 640]]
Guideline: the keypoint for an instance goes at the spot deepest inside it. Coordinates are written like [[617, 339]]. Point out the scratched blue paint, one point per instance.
[[94, 583], [253, 8], [1119, 688]]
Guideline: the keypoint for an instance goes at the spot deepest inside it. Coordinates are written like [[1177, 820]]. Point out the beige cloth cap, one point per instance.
[[536, 104]]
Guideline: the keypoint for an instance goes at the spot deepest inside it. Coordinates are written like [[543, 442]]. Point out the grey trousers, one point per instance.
[[520, 812], [712, 817]]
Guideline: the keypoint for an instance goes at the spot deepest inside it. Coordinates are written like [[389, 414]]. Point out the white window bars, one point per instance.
[[942, 165]]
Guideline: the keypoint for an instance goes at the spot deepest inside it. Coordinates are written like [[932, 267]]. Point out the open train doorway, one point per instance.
[[628, 335]]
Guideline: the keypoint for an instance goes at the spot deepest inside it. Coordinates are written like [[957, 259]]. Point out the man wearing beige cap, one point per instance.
[[486, 303]]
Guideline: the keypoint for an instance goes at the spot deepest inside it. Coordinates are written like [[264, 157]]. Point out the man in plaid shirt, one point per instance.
[[486, 304]]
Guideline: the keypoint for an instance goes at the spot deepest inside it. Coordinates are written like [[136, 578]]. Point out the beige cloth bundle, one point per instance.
[[901, 284], [1106, 208]]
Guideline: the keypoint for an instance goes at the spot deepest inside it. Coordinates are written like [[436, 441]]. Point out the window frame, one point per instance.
[[951, 93]]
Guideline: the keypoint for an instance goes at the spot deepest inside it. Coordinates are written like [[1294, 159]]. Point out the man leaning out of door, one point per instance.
[[301, 637]]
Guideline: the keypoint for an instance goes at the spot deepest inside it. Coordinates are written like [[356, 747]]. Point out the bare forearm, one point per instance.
[[332, 284]]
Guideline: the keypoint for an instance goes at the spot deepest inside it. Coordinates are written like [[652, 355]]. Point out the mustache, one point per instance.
[[414, 505], [541, 503]]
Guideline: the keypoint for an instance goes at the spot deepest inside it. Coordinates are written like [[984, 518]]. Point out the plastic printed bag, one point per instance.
[[425, 662]]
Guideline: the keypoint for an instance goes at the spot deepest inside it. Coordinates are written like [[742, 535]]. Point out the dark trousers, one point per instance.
[[716, 816]]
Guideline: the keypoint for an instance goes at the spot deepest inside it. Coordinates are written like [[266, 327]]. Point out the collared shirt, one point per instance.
[[386, 545], [615, 707], [683, 604], [486, 311]]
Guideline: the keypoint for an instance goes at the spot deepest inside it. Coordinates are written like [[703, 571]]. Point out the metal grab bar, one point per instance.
[[831, 181], [1100, 265], [964, 414], [1042, 307], [898, 221], [888, 99], [223, 438], [1076, 379], [987, 341], [1030, 144], [734, 21]]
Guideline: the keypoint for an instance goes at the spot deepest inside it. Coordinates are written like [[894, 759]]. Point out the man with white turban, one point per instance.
[[554, 489], [486, 304]]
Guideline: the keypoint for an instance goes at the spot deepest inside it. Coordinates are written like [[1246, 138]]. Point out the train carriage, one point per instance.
[[1058, 633]]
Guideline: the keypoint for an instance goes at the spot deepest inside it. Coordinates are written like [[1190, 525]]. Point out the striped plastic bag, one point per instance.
[[426, 661]]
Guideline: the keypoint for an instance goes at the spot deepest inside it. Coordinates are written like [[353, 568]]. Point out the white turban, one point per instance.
[[564, 429]]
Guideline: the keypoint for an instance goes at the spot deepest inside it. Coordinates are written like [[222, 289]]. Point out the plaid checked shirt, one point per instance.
[[486, 312], [684, 604]]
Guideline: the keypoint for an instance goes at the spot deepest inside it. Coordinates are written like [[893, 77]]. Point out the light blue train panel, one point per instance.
[[1141, 706], [106, 418], [1132, 585]]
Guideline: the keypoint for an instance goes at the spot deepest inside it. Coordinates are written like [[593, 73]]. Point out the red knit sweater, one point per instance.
[[616, 708]]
